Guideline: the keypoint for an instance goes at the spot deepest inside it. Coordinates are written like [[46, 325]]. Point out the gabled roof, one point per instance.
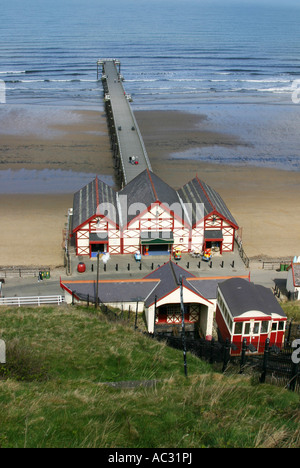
[[197, 191], [90, 201], [147, 188], [169, 275], [143, 191], [243, 296]]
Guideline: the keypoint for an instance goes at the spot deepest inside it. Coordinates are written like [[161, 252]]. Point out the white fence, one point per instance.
[[31, 300]]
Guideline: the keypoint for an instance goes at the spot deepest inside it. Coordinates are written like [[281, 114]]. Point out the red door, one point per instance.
[[254, 334]]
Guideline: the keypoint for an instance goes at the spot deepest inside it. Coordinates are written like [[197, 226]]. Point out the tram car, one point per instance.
[[249, 311]]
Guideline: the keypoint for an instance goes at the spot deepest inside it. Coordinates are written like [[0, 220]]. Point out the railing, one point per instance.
[[31, 300], [242, 253], [67, 242], [21, 272], [274, 366]]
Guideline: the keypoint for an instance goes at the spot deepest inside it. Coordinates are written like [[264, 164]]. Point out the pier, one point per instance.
[[127, 144]]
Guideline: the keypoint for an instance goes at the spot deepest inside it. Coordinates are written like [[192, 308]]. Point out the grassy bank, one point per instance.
[[55, 392]]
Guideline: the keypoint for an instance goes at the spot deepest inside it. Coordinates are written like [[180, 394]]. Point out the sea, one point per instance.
[[236, 62]]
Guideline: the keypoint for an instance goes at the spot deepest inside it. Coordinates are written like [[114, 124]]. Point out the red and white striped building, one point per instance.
[[148, 215]]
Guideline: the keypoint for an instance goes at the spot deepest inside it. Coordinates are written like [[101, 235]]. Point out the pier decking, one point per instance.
[[127, 143]]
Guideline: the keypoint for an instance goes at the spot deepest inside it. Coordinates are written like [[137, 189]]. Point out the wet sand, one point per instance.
[[265, 202], [81, 146]]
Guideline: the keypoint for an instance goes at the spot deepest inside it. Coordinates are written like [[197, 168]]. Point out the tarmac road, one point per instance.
[[30, 286]]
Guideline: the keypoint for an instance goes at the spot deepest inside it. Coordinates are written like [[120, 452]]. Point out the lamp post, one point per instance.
[[183, 325], [97, 283]]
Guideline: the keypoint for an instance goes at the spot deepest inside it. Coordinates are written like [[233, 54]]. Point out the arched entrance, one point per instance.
[[168, 318]]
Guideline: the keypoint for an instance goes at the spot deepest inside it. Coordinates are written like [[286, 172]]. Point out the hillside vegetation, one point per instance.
[[56, 389]]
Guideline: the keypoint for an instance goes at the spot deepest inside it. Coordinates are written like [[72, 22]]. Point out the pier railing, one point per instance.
[[120, 118], [241, 250], [22, 272]]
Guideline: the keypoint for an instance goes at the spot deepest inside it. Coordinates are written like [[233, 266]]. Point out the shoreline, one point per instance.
[[263, 201]]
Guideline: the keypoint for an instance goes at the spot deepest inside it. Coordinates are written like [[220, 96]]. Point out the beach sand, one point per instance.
[[32, 229], [264, 202], [82, 145]]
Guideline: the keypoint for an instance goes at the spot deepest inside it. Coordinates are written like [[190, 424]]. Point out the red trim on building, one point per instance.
[[152, 184], [205, 193]]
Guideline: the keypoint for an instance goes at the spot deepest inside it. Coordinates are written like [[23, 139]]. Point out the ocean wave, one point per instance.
[[46, 80], [14, 72]]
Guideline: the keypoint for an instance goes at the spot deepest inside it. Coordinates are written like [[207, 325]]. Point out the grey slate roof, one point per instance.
[[146, 188], [242, 296], [197, 191], [160, 283], [115, 291], [169, 275], [87, 199], [207, 288]]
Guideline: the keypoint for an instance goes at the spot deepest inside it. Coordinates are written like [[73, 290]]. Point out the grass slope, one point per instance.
[[54, 391]]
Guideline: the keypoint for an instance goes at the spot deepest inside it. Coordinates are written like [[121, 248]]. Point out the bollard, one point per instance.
[[140, 266], [104, 266], [128, 266], [117, 266], [210, 264], [222, 264], [188, 265], [199, 264], [232, 264], [152, 266]]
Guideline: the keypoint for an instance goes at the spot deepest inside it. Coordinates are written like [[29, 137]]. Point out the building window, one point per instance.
[[225, 312], [247, 329], [264, 326], [281, 326], [238, 328], [256, 328], [274, 326]]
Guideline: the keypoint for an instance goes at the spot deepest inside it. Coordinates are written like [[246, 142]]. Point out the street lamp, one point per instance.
[[183, 325]]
